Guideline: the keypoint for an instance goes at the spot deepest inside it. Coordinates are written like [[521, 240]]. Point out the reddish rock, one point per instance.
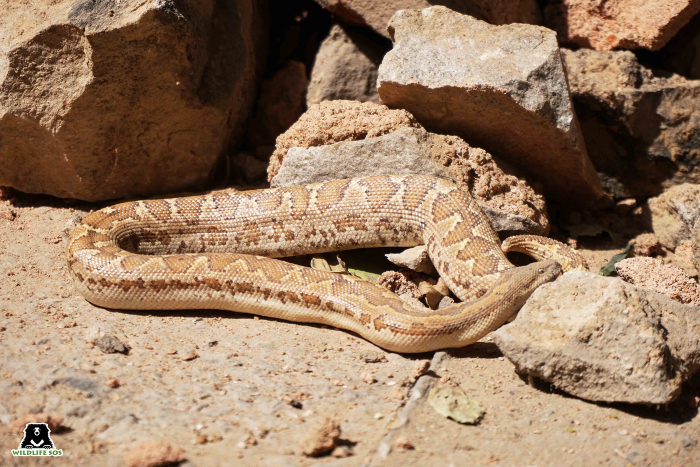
[[651, 273], [625, 24]]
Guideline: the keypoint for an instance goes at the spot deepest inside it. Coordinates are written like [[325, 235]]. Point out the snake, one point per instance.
[[219, 251]]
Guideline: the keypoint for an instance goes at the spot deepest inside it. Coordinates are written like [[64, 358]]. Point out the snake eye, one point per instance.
[[540, 271]]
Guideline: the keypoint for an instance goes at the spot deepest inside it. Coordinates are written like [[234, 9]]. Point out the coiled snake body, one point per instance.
[[215, 252]]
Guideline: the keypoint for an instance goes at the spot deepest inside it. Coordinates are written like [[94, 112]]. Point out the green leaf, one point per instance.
[[452, 402], [365, 275], [609, 269]]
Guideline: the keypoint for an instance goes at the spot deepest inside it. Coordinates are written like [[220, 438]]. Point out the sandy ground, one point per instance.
[[256, 387]]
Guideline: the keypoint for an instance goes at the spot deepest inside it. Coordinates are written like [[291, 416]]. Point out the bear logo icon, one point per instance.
[[37, 436]]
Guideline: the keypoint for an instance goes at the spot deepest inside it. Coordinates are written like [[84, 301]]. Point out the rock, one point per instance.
[[397, 153], [110, 344], [102, 100], [415, 258], [646, 244], [153, 454], [626, 24], [400, 283], [432, 294], [321, 439], [696, 246], [674, 214], [501, 88], [684, 257], [404, 443], [602, 339], [282, 101], [508, 201], [55, 422], [652, 274], [333, 121], [345, 68], [642, 131], [687, 442], [376, 14], [342, 451], [422, 367]]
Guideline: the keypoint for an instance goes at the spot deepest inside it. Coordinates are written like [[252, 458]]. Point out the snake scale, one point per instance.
[[216, 252]]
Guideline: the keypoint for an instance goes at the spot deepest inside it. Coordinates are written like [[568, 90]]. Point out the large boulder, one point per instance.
[[502, 88], [103, 99], [376, 14], [642, 131], [345, 68], [602, 339], [626, 24], [509, 202]]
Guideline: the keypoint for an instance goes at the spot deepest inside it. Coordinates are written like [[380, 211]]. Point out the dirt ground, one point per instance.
[[234, 389]]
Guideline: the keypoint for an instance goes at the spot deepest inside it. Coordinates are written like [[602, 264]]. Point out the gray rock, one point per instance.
[[103, 100], [502, 88], [674, 214], [642, 131], [689, 442], [376, 14], [602, 339], [345, 68], [415, 258], [397, 153], [110, 344], [510, 203]]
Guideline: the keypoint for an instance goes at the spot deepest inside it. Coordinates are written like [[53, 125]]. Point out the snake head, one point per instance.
[[547, 271], [527, 278]]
